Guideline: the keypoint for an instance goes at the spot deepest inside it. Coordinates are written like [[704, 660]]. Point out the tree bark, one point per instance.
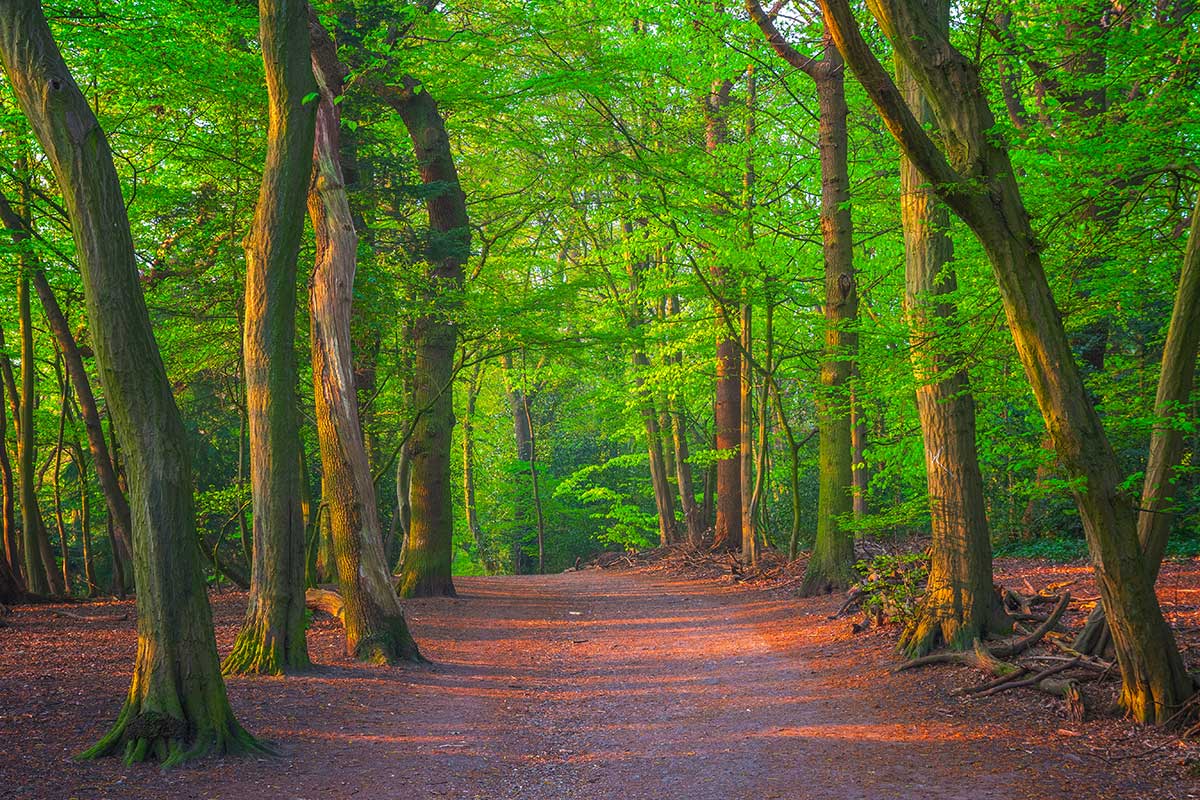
[[727, 532], [177, 707], [981, 188], [426, 569], [272, 638], [12, 547], [960, 603], [831, 566], [375, 627], [37, 572]]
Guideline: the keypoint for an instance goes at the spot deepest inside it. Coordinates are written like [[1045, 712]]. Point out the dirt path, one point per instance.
[[586, 685]]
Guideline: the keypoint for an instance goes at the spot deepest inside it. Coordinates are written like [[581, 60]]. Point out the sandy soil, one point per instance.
[[589, 685]]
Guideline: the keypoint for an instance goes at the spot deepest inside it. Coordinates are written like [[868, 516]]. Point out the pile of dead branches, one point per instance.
[[1038, 658]]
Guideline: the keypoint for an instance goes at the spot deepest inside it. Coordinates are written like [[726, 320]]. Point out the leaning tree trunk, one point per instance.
[[177, 707], [8, 521], [272, 637], [375, 627], [426, 569], [960, 603], [1166, 442], [118, 507], [831, 566], [979, 185]]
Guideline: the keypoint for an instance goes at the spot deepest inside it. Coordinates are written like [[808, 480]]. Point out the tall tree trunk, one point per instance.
[[831, 566], [1175, 384], [832, 563], [468, 457], [537, 494], [692, 513], [8, 522], [426, 570], [858, 434], [978, 183], [177, 707], [38, 573], [272, 639], [960, 603], [64, 394], [745, 451], [85, 520], [727, 533], [375, 627]]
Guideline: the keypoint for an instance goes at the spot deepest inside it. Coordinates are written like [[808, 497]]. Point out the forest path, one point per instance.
[[582, 686]]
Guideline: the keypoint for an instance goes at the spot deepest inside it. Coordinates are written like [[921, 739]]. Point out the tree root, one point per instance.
[[154, 735], [329, 602]]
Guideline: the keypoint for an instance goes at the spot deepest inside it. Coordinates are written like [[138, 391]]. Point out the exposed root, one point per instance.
[[154, 735]]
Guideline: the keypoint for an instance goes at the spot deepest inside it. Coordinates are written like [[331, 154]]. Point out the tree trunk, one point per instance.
[[39, 574], [12, 547], [981, 188], [858, 433], [118, 507], [426, 570], [468, 457], [272, 639], [1175, 383], [177, 707], [831, 566], [85, 520], [960, 603], [727, 532], [65, 389], [375, 627]]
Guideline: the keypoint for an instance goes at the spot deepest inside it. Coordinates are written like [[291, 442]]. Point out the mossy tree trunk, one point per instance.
[[426, 568], [976, 180], [960, 603], [375, 627], [177, 707], [272, 638]]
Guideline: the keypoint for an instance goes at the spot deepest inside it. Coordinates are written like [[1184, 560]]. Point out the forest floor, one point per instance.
[[637, 683]]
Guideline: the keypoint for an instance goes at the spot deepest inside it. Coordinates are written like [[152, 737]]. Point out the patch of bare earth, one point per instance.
[[591, 685]]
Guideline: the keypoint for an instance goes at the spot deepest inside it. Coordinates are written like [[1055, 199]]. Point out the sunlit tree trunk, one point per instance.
[[978, 183], [960, 603], [65, 389], [375, 627], [177, 707], [426, 570], [272, 639]]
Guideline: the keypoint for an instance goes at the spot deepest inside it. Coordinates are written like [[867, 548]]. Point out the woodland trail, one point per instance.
[[587, 685]]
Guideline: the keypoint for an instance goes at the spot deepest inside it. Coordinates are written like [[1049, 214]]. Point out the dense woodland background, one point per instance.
[[641, 180], [569, 122]]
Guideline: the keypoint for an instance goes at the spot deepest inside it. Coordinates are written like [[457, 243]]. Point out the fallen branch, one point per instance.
[[1034, 680], [88, 617], [1021, 645], [329, 602]]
